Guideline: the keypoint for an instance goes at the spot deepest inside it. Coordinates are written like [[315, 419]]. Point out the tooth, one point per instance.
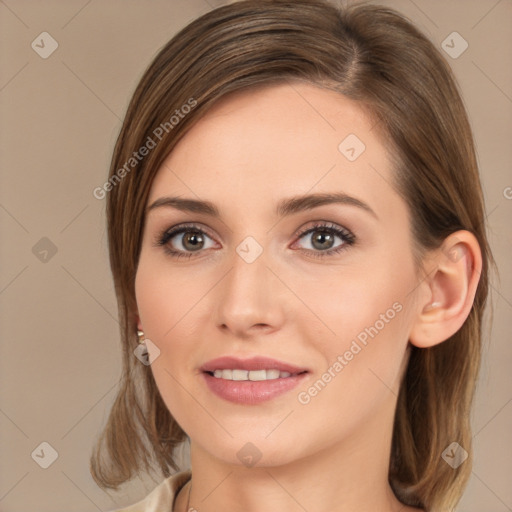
[[257, 375], [240, 374], [251, 375]]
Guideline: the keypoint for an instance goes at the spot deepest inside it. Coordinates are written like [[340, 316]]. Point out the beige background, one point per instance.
[[60, 116]]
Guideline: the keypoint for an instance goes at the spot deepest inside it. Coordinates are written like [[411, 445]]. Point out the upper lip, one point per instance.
[[253, 363]]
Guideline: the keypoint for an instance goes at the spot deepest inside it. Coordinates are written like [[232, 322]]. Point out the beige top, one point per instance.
[[161, 498]]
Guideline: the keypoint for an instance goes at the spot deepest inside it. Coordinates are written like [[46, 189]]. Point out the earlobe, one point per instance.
[[449, 289], [139, 323]]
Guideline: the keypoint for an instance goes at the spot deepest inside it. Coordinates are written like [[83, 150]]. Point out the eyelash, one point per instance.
[[343, 233]]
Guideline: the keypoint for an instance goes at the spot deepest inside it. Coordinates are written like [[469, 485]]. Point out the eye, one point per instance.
[[184, 241], [321, 239]]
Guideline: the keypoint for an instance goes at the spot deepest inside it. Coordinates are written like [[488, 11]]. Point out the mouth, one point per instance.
[[251, 381]]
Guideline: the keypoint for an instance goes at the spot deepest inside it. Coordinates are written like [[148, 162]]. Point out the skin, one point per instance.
[[251, 150]]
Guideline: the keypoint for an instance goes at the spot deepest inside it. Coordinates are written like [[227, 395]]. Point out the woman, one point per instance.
[[297, 240]]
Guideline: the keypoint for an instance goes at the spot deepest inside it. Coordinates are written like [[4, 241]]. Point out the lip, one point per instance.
[[253, 363], [251, 392]]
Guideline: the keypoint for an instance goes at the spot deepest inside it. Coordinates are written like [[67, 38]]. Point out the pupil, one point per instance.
[[195, 239], [320, 239]]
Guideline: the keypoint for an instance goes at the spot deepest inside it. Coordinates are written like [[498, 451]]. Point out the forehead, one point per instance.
[[275, 141]]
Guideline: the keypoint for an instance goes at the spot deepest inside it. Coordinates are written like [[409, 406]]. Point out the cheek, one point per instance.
[[173, 305], [166, 296], [163, 299], [352, 300], [367, 319]]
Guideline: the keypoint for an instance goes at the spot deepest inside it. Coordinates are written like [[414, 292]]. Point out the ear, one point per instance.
[[448, 291]]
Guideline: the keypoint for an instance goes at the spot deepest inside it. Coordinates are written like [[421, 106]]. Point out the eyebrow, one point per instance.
[[284, 208]]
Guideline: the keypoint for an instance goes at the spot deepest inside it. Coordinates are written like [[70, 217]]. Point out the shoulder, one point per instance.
[[161, 497]]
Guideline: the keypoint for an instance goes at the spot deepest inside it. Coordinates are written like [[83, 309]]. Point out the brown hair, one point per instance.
[[372, 55]]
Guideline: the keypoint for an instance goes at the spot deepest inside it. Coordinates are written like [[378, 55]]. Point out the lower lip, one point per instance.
[[251, 392]]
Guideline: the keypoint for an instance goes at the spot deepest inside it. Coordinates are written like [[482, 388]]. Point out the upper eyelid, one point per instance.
[[187, 225], [180, 229], [326, 224]]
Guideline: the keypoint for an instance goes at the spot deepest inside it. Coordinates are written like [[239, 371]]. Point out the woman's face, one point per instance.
[[325, 286]]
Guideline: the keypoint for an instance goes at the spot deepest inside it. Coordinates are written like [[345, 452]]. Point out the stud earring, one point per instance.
[[140, 335]]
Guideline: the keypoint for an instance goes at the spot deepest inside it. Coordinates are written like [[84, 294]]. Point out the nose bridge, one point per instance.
[[249, 296]]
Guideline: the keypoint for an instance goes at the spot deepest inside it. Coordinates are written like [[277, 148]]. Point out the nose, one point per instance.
[[251, 300]]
